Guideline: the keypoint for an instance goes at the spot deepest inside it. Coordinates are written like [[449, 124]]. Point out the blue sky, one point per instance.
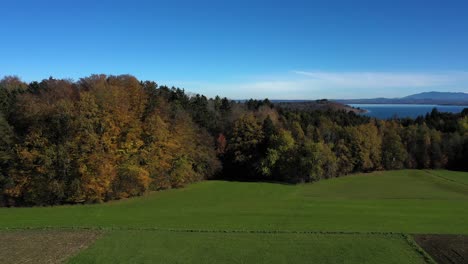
[[245, 49]]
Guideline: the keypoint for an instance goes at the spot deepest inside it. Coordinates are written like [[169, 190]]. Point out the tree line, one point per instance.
[[110, 137]]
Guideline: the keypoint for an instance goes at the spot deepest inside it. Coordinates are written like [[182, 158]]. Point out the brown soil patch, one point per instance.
[[450, 249], [43, 246]]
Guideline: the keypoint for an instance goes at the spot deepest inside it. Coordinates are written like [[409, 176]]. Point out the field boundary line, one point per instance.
[[427, 258], [176, 230]]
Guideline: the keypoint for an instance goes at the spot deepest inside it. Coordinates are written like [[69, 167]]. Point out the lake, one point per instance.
[[385, 111]]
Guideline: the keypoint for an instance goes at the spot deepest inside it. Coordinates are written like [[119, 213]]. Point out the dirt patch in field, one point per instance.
[[43, 246], [450, 249]]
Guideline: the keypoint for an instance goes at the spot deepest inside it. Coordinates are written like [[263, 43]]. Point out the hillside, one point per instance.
[[413, 201], [321, 105]]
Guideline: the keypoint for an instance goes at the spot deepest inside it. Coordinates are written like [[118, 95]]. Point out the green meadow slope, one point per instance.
[[354, 219], [408, 201]]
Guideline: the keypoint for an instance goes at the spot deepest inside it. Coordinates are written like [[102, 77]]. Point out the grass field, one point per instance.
[[407, 201], [182, 247]]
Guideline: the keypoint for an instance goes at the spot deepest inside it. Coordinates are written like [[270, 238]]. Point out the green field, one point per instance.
[[366, 208], [177, 247]]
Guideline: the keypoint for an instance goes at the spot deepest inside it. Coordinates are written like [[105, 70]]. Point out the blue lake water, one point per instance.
[[385, 111]]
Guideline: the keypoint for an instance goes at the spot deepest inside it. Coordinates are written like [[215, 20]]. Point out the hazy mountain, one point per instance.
[[420, 98], [438, 96]]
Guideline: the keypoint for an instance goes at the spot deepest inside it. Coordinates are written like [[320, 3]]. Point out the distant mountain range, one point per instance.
[[441, 98]]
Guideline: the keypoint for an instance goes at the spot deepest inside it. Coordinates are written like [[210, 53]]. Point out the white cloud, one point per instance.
[[383, 79], [321, 84]]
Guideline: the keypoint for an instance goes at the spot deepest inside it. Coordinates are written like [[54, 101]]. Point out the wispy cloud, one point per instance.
[[321, 84], [383, 79]]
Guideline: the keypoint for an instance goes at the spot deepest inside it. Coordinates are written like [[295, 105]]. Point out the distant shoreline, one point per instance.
[[356, 110], [360, 110], [359, 101], [383, 111], [397, 103]]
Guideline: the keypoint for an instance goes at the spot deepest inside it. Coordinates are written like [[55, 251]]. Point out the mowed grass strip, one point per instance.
[[456, 176], [186, 247], [406, 201], [392, 185], [43, 246]]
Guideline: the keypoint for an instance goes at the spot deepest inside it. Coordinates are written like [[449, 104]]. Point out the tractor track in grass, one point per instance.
[[444, 178]]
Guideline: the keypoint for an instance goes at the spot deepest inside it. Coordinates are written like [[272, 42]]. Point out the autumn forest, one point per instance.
[[104, 137]]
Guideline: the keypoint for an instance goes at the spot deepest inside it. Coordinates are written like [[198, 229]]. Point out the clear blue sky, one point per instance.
[[242, 49]]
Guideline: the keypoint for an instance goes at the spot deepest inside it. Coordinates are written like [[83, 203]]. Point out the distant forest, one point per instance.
[[110, 137]]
